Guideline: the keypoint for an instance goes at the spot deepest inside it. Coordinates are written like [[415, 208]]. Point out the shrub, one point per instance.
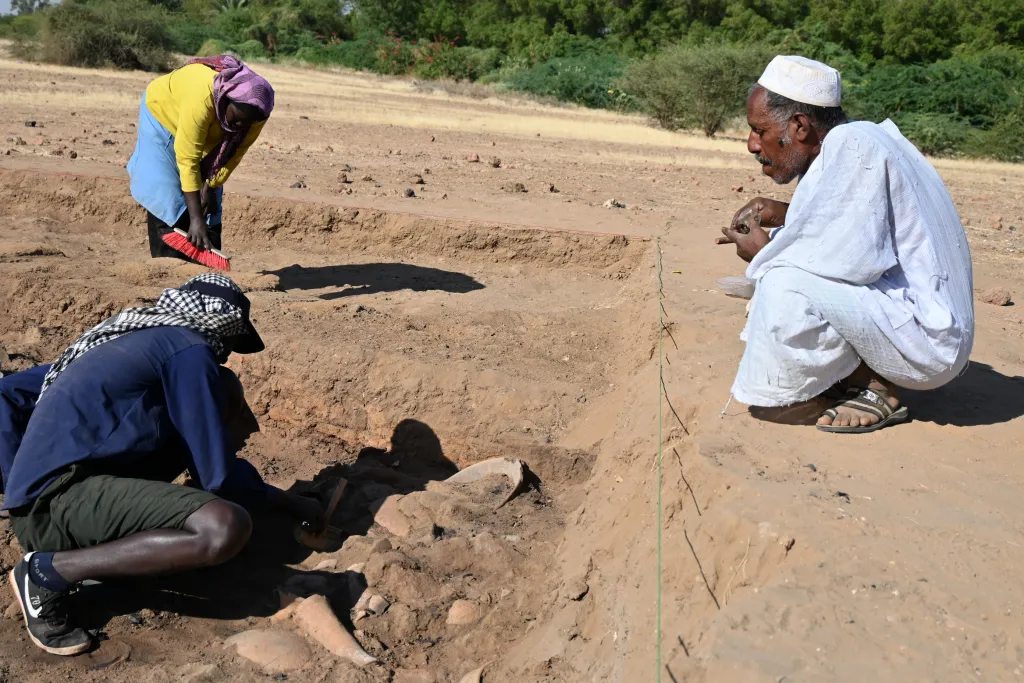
[[588, 80], [127, 34], [439, 60], [937, 134], [251, 49], [188, 36], [695, 87], [212, 48]]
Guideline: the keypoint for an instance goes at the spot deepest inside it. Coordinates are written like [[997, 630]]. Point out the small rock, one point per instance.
[[409, 193], [367, 179], [345, 167], [19, 142], [432, 138], [298, 185], [576, 589], [515, 187], [381, 545], [997, 297], [552, 189], [444, 196], [304, 118], [737, 188], [72, 154], [996, 222], [495, 162], [473, 158], [462, 612], [426, 171], [30, 124], [109, 143], [274, 651], [329, 149], [417, 180], [343, 178], [614, 204]]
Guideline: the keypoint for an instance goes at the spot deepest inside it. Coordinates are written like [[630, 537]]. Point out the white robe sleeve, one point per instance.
[[839, 224]]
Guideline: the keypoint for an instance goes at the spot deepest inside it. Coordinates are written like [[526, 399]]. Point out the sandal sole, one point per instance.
[[900, 416]]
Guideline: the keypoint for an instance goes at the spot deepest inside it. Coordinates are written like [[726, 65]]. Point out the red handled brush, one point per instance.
[[211, 258]]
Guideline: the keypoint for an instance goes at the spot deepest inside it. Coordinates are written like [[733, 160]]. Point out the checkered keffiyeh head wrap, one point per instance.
[[213, 318]]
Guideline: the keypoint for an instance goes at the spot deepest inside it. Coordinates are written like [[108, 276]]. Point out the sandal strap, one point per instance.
[[867, 401]]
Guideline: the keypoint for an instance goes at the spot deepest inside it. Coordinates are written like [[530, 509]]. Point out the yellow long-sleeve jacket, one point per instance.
[[182, 101]]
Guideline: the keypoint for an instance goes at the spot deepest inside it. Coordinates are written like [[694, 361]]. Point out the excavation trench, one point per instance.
[[399, 348]]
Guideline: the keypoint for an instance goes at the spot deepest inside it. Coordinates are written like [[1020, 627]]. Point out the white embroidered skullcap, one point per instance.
[[803, 80]]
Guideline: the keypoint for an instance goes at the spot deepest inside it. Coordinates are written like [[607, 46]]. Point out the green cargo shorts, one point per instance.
[[83, 509]]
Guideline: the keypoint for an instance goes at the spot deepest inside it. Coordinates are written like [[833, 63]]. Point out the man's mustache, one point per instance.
[[763, 160]]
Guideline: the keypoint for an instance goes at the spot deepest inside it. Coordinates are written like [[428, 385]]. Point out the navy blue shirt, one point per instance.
[[134, 398], [18, 394]]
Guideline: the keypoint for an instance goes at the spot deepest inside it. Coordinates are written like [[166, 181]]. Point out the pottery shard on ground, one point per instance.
[[316, 618], [463, 612], [996, 297], [510, 467], [614, 204], [390, 517], [274, 651]]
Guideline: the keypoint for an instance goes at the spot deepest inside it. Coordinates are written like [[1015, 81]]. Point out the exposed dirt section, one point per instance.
[[408, 337]]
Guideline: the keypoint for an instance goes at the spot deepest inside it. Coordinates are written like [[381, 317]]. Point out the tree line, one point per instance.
[[949, 72]]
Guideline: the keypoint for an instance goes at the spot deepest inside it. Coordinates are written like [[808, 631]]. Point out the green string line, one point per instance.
[[661, 355]]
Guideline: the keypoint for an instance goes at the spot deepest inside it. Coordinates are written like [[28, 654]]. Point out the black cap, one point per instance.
[[250, 341]]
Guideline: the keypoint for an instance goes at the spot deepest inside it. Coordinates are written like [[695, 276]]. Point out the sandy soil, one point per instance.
[[408, 337]]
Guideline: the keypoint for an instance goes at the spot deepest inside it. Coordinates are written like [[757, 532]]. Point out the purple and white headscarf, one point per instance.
[[234, 82]]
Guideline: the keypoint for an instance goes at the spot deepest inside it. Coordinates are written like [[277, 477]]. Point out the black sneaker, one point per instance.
[[46, 617]]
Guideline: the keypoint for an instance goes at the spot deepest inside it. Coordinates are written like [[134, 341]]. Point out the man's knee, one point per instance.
[[223, 529]]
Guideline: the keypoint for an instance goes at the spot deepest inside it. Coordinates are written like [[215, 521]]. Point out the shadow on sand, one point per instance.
[[371, 278]]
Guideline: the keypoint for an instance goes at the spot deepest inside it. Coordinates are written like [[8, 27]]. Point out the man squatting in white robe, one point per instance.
[[864, 285]]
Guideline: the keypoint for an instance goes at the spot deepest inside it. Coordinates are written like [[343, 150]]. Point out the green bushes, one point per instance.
[[589, 80], [695, 87], [128, 34]]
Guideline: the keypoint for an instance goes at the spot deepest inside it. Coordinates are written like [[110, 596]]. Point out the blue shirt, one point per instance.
[[18, 394], [130, 399]]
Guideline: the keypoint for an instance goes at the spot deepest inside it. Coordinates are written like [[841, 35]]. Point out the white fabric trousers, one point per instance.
[[806, 332]]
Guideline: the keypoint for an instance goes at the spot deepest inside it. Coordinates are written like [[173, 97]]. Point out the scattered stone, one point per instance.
[[19, 142], [552, 189], [473, 158], [737, 188], [346, 167], [298, 185], [343, 178], [329, 149], [997, 297], [30, 124], [996, 222], [413, 676], [462, 612], [304, 118], [432, 138], [390, 517], [444, 196], [409, 193], [109, 143], [274, 651], [13, 611], [417, 180], [576, 589], [495, 162], [367, 179], [614, 204], [426, 171], [515, 187]]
